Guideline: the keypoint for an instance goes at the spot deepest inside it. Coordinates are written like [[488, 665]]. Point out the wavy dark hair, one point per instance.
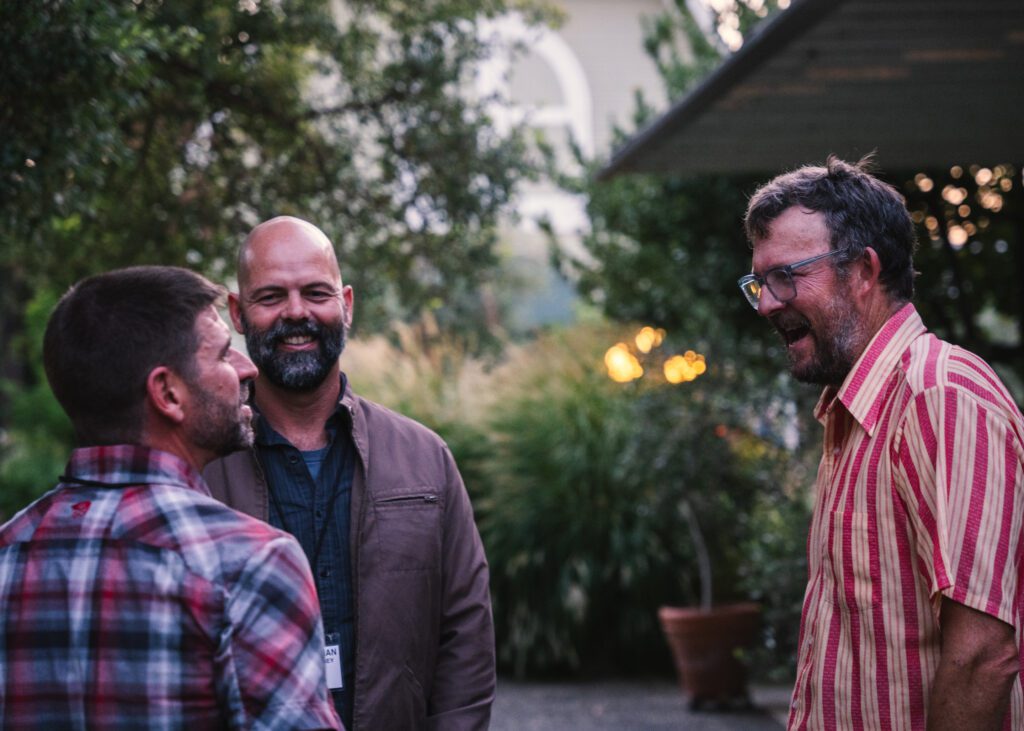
[[859, 209]]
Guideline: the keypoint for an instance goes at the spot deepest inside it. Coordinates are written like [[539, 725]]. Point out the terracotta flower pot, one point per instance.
[[704, 646]]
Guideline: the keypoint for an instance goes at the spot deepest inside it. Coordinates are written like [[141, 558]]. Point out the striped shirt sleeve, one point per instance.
[[960, 471]]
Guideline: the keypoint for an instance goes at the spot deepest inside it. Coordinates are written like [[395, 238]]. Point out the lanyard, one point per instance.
[[315, 558]]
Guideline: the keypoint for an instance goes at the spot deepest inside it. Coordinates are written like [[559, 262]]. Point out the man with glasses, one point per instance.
[[913, 610]]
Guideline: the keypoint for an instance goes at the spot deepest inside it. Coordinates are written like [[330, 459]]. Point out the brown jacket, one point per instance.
[[424, 633]]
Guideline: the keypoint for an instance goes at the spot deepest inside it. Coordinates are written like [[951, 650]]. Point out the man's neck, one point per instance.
[[299, 416], [879, 312]]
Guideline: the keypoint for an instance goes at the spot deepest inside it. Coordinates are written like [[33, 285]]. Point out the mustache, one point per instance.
[[283, 329], [788, 321]]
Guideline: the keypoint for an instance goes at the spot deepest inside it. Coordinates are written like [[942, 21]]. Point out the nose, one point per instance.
[[244, 367], [767, 303], [295, 308]]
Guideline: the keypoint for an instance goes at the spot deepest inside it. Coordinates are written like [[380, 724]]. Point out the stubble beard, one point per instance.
[[220, 427], [836, 340]]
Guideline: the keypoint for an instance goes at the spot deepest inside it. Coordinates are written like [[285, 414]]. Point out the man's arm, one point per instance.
[[976, 670], [960, 475], [270, 660], [464, 679]]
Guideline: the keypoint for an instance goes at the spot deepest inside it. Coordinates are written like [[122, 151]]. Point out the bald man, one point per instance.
[[375, 499]]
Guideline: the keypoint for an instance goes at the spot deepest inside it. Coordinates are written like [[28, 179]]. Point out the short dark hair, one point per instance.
[[106, 335], [859, 209]]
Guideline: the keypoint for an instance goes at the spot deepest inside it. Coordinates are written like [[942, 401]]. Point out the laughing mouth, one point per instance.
[[793, 332]]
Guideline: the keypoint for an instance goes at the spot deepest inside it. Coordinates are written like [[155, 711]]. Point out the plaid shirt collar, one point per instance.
[[121, 465]]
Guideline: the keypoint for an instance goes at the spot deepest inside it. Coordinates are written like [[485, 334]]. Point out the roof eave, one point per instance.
[[767, 39]]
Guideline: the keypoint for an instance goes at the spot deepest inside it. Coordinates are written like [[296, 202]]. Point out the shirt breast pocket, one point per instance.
[[853, 580], [409, 530]]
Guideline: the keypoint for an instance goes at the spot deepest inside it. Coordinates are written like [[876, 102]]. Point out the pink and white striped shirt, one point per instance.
[[920, 495]]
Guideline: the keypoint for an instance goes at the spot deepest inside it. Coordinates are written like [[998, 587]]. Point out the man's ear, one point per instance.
[[866, 271], [235, 310], [347, 298], [165, 391]]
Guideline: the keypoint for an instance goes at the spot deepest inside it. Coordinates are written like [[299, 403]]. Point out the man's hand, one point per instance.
[[977, 667]]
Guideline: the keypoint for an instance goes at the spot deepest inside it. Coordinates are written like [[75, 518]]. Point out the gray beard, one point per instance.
[[303, 371]]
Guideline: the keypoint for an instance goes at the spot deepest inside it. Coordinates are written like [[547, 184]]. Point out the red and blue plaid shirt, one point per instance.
[[142, 602]]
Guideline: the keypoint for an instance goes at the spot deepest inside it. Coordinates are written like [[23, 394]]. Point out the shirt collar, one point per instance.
[[863, 391], [132, 464]]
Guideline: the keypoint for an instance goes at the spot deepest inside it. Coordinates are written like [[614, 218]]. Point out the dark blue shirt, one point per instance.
[[316, 511]]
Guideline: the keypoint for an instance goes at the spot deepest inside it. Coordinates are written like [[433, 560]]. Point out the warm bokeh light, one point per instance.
[[954, 195], [684, 368], [957, 236], [622, 365], [990, 199], [648, 338], [924, 183]]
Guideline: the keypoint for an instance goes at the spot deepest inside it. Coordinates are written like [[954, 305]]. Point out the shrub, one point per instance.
[[586, 517], [34, 450]]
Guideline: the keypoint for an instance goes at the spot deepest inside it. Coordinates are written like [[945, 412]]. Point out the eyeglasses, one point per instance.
[[778, 280]]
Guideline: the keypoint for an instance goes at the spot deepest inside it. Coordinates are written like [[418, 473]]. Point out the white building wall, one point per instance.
[[575, 81]]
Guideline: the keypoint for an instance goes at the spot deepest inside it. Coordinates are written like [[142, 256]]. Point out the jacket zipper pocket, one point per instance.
[[425, 498]]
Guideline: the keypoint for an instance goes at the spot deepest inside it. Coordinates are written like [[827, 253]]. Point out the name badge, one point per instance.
[[332, 662]]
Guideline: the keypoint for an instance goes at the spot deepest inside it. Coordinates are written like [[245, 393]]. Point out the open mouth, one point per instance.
[[792, 330], [298, 340], [791, 335]]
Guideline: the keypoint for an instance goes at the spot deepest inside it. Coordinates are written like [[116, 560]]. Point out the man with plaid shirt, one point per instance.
[[129, 598]]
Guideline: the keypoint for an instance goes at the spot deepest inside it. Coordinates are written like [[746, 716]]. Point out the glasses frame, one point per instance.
[[787, 269]]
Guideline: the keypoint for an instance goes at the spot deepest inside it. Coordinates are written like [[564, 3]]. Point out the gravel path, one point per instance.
[[626, 706]]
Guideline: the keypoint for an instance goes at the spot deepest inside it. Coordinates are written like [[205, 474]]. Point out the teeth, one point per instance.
[[298, 340]]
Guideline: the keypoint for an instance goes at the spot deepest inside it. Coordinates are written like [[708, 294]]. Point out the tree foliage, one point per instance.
[[970, 225], [146, 131]]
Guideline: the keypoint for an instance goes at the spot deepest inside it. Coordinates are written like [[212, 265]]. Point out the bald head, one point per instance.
[[284, 236], [291, 306]]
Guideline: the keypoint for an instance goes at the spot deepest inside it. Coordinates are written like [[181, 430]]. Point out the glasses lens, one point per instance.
[[751, 290], [780, 282]]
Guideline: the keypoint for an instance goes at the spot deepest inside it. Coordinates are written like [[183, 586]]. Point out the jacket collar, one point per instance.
[[350, 403], [863, 392]]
